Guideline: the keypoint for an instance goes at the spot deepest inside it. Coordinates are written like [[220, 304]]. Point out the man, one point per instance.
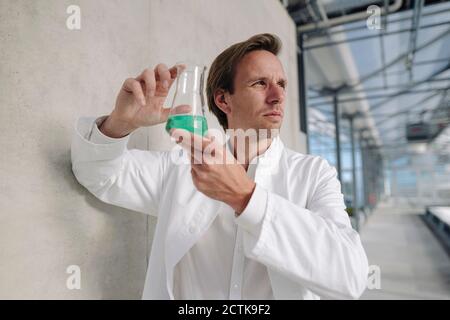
[[270, 226]]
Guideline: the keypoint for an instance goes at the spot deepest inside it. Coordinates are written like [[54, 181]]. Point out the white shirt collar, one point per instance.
[[268, 159]]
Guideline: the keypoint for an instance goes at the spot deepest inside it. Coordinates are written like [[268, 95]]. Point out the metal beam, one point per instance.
[[318, 33], [398, 72], [415, 25], [337, 117], [407, 109], [366, 166], [333, 43], [398, 59], [303, 112], [375, 147], [383, 31], [433, 75], [400, 86], [355, 200], [311, 11], [380, 96], [344, 19], [322, 11], [418, 63]]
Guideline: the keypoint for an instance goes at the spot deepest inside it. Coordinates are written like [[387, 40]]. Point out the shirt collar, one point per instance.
[[269, 158]]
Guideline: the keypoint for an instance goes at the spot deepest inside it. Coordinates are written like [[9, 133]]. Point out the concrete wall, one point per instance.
[[49, 76]]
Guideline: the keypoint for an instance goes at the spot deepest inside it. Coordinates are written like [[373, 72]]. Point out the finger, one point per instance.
[[180, 136], [175, 71], [163, 76], [133, 86], [196, 169], [148, 77], [195, 176], [214, 152], [199, 142], [192, 143], [190, 139], [183, 137], [210, 137], [204, 149], [182, 109], [196, 158]]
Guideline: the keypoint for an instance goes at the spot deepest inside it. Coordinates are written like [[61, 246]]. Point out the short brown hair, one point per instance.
[[223, 68]]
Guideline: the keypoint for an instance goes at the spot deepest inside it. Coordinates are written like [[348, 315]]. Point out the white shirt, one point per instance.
[[216, 267], [295, 223]]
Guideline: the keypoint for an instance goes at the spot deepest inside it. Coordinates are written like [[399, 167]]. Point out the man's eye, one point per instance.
[[259, 83]]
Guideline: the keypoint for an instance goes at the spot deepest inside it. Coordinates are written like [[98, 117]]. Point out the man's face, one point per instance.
[[259, 92]]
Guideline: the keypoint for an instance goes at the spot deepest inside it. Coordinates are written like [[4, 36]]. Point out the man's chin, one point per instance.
[[269, 130], [270, 125], [262, 129]]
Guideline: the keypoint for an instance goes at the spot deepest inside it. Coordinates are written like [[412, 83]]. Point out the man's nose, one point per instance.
[[275, 94]]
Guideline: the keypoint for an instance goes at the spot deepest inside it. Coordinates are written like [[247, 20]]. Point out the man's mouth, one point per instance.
[[274, 114]]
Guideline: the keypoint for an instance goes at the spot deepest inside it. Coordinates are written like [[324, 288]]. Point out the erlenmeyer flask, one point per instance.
[[187, 110]]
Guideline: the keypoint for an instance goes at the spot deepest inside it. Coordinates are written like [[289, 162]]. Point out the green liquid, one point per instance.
[[194, 124]]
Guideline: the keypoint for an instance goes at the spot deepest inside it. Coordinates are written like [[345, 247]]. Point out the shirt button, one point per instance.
[[236, 286]]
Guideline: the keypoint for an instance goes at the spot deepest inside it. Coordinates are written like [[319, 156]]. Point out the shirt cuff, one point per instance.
[[98, 137], [253, 215]]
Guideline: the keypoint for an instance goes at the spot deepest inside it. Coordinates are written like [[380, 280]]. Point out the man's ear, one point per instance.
[[221, 100]]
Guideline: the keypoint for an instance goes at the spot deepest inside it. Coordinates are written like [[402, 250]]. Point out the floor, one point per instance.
[[412, 262]]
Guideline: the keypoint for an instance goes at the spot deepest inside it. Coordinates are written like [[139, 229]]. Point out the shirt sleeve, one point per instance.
[[98, 137], [314, 246], [253, 215], [128, 178]]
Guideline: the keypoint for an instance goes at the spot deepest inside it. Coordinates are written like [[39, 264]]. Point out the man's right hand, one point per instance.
[[140, 102]]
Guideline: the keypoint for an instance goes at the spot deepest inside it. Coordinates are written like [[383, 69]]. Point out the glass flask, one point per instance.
[[187, 110]]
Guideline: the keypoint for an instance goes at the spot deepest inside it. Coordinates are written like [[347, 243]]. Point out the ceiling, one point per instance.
[[388, 77]]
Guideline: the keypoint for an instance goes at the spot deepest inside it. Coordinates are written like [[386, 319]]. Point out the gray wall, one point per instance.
[[49, 76]]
